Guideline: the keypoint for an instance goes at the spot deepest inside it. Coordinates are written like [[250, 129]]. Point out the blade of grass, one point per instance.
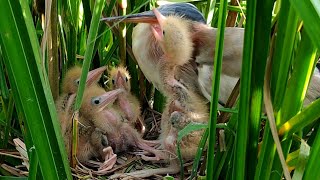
[[239, 166], [182, 133], [52, 46], [273, 127], [215, 90], [312, 168], [260, 53], [298, 83], [122, 33], [309, 12], [31, 88], [302, 119], [296, 87], [3, 86], [197, 158], [93, 31], [8, 112], [287, 28], [302, 160], [210, 10], [268, 149], [286, 31], [33, 163], [89, 51]]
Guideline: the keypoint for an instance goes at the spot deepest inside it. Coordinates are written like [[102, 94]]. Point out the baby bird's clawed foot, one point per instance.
[[155, 155], [110, 160]]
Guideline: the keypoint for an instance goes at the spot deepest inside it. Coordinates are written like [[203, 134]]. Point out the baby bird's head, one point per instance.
[[72, 79], [96, 99], [174, 37], [119, 78]]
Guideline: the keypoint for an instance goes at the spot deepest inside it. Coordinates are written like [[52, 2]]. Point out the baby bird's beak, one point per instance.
[[94, 75], [105, 99], [157, 28]]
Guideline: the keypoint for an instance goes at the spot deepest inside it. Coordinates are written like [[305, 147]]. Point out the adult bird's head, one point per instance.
[[72, 79]]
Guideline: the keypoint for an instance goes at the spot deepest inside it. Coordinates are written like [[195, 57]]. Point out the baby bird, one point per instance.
[[159, 63], [120, 78], [92, 143], [99, 110], [176, 116], [66, 99], [175, 41], [70, 86]]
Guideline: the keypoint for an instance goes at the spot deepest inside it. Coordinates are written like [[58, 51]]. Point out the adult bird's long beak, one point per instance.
[[94, 75], [105, 99], [186, 10]]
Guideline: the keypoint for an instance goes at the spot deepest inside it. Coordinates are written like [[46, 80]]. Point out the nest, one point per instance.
[[126, 161]]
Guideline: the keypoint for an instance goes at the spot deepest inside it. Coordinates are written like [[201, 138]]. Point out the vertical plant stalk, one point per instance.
[[52, 45], [31, 88], [309, 11], [312, 167], [239, 166], [75, 132], [210, 10], [296, 87], [215, 90], [8, 112], [93, 32], [287, 29], [260, 54], [273, 127], [122, 33], [232, 15]]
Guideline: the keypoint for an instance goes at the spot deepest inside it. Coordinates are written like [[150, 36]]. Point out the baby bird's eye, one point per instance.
[[126, 78], [163, 33], [95, 101], [77, 81], [113, 81]]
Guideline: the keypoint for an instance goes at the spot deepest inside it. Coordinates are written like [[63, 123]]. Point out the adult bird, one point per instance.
[[203, 41]]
